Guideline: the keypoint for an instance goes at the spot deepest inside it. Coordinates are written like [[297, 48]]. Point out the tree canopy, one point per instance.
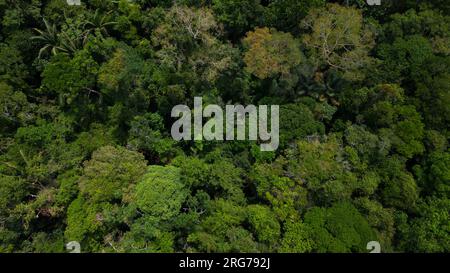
[[86, 153]]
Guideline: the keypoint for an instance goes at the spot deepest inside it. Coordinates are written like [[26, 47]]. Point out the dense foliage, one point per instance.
[[86, 153]]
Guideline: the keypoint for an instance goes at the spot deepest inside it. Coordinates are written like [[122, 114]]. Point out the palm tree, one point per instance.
[[50, 38], [71, 45], [319, 85], [99, 23]]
